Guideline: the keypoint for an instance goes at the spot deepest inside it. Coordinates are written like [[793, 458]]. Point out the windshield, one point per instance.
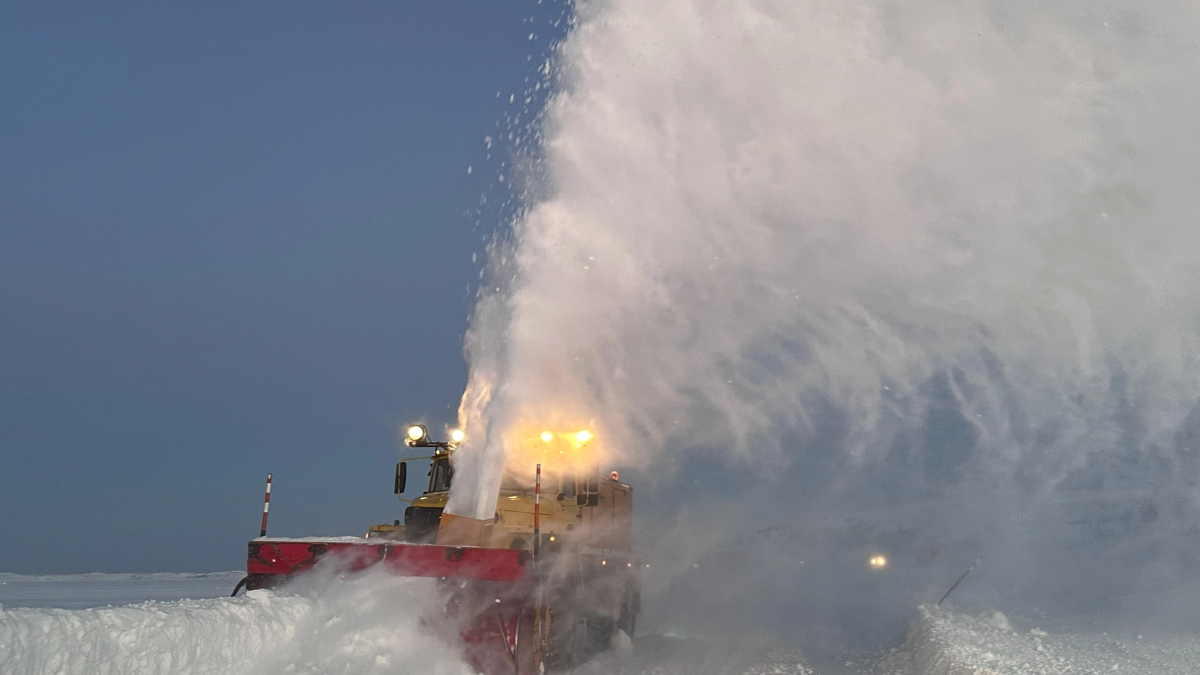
[[440, 473], [552, 484]]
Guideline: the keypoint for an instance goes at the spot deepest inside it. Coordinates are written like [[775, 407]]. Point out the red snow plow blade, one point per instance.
[[271, 560], [507, 613], [489, 594]]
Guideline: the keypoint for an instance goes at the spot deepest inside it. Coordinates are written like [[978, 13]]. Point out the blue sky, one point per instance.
[[233, 240]]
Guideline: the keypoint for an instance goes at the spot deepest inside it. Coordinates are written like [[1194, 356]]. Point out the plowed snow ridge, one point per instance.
[[363, 627], [945, 643]]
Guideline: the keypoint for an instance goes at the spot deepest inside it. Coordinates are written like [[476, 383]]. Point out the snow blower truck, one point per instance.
[[543, 586]]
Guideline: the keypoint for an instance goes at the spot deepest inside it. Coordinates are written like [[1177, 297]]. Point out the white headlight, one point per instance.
[[457, 435], [417, 433]]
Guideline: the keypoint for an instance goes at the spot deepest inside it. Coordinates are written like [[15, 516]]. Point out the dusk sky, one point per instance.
[[234, 240]]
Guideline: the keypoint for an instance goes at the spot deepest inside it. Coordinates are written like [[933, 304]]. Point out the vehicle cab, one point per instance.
[[577, 506]]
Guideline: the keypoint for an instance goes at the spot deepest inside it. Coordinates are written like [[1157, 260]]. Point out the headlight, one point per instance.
[[417, 433], [457, 435]]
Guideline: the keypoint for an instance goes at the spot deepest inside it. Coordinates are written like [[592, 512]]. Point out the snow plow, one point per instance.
[[543, 586]]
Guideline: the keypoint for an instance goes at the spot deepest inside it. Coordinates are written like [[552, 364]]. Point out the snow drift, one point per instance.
[[947, 643], [323, 626], [187, 636]]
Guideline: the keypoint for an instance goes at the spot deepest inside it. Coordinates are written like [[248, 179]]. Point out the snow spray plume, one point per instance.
[[963, 230], [364, 623]]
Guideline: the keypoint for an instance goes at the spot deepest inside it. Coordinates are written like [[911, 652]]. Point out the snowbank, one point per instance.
[[931, 642], [328, 625], [188, 636], [944, 643]]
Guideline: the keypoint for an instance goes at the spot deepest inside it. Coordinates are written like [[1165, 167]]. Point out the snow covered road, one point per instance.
[[61, 625]]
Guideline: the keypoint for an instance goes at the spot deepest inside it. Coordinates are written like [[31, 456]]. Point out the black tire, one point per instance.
[[627, 621], [566, 642], [599, 634]]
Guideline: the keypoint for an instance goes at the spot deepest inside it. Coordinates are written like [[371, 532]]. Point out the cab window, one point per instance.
[[440, 474]]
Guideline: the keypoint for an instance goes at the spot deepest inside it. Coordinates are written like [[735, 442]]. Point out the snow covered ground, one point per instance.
[[946, 643], [110, 624], [711, 655], [80, 591], [68, 625]]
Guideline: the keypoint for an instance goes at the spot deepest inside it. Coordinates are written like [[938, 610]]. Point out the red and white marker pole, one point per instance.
[[266, 507], [540, 615], [537, 512]]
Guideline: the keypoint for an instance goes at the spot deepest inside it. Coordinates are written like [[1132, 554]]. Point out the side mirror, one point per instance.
[[401, 476]]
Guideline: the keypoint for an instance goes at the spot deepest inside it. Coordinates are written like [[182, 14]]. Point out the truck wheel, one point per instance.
[[526, 652], [567, 641], [599, 634], [627, 621]]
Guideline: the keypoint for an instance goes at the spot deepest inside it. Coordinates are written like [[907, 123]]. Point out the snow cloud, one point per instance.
[[940, 251]]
